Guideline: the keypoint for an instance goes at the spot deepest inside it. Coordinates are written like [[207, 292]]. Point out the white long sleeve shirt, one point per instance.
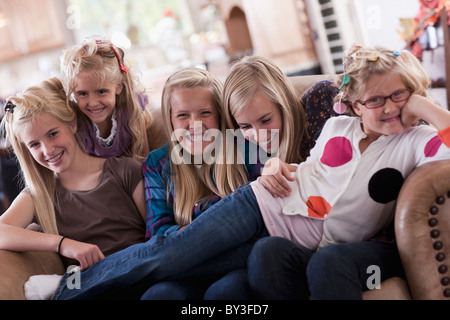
[[349, 195]]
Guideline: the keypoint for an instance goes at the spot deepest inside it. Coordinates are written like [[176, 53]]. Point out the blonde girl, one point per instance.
[[178, 187], [261, 101], [69, 193], [366, 158], [109, 99], [195, 185]]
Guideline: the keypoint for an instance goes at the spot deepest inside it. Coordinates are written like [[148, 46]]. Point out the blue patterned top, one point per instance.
[[157, 175]]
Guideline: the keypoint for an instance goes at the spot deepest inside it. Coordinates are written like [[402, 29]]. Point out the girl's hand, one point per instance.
[[274, 177], [412, 110], [419, 107], [85, 253]]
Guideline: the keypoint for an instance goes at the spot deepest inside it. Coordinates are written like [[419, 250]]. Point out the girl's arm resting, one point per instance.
[[15, 237], [139, 200], [19, 239], [20, 213]]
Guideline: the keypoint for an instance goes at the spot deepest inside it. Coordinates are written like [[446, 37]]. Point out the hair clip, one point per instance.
[[345, 80], [9, 107], [122, 67], [339, 107], [397, 53], [369, 56]]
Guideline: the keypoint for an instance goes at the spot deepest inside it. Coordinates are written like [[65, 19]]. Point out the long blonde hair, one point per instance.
[[190, 184], [47, 98], [361, 63], [258, 75], [98, 59]]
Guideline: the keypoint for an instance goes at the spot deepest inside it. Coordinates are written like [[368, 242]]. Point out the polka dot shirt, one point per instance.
[[352, 193]]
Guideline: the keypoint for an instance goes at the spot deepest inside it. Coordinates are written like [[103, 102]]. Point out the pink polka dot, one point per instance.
[[432, 147], [337, 152]]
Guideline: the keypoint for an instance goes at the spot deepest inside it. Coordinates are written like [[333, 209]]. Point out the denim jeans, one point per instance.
[[176, 290], [343, 271], [277, 269], [214, 243], [281, 269], [233, 286]]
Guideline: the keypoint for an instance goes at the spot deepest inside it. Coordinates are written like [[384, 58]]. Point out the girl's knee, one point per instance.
[[272, 245]]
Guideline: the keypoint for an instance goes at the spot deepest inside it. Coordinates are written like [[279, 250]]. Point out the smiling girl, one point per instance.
[[113, 114], [69, 193], [260, 100], [180, 182], [364, 159]]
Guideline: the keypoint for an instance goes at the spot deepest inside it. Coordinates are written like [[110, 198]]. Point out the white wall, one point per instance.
[[380, 20]]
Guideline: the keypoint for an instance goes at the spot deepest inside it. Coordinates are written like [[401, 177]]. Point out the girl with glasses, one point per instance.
[[365, 158]]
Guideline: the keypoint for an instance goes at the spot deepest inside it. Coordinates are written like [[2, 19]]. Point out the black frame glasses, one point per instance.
[[378, 102]]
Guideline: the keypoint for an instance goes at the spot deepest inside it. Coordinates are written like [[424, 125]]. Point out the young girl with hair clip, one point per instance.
[[110, 103], [370, 154], [69, 193], [181, 183], [343, 194]]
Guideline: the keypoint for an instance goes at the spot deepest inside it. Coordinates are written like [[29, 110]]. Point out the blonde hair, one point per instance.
[[191, 184], [98, 59], [47, 98], [258, 75], [361, 63]]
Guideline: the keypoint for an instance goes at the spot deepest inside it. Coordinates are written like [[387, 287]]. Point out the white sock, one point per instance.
[[41, 287]]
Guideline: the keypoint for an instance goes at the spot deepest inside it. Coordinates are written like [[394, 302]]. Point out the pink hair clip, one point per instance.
[[339, 107]]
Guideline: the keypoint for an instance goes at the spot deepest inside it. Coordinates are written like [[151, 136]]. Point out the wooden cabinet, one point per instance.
[[30, 26]]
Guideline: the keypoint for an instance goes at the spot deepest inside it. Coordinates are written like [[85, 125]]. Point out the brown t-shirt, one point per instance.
[[106, 215]]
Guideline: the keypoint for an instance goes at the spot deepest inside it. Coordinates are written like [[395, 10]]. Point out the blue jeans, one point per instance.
[[217, 242], [343, 271], [176, 290], [233, 286], [277, 269], [281, 269]]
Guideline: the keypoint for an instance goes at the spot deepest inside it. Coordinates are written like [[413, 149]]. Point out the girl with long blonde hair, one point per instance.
[[180, 181], [69, 193], [258, 97]]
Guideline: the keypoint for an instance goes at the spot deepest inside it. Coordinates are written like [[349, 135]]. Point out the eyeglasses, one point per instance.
[[377, 102]]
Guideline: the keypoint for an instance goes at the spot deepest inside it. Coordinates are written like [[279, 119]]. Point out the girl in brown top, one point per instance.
[[88, 207]]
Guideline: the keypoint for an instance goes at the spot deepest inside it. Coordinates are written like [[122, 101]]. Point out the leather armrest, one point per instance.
[[422, 226], [17, 267]]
